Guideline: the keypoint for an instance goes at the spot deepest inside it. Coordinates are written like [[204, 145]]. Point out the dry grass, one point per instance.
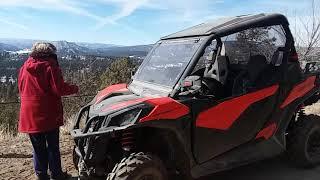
[[22, 137], [5, 136], [19, 136], [68, 124]]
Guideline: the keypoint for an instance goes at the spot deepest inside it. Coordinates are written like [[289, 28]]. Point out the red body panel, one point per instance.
[[109, 90], [165, 108], [223, 115], [267, 132], [299, 90]]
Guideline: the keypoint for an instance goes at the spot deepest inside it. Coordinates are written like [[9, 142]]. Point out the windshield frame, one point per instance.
[[160, 88]]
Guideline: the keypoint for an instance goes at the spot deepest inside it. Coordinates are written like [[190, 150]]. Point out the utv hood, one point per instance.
[[113, 98], [117, 98], [115, 103]]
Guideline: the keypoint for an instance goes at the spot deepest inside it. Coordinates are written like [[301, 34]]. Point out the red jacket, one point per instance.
[[41, 86]]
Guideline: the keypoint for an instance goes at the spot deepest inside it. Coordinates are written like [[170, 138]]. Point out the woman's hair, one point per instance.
[[43, 50]]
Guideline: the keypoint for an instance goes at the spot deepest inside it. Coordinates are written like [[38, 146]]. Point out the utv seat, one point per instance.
[[215, 76], [248, 79]]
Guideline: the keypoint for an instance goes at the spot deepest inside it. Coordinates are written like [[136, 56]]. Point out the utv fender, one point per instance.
[[300, 91], [165, 108], [170, 143], [289, 112]]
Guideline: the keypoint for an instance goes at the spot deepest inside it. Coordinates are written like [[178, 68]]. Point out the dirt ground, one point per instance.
[[16, 162], [275, 169], [16, 158]]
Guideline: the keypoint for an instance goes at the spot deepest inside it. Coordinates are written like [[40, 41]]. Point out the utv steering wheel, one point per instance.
[[211, 87]]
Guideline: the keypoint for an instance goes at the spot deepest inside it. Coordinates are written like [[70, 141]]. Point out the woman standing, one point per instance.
[[41, 86]]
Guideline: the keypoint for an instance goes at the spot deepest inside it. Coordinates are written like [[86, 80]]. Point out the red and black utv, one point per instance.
[[218, 95]]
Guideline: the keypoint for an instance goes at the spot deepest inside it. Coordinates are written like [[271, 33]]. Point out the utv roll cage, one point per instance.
[[216, 29]]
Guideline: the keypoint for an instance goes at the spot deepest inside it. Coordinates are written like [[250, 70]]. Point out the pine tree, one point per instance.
[[9, 93], [118, 72]]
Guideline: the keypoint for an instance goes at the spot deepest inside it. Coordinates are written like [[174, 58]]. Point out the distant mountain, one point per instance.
[[70, 48], [7, 47], [139, 50], [81, 48], [96, 45], [19, 43]]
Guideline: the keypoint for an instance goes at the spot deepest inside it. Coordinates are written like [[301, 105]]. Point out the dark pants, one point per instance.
[[46, 152]]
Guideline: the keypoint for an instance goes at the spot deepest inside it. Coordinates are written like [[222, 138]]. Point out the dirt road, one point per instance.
[[273, 169]]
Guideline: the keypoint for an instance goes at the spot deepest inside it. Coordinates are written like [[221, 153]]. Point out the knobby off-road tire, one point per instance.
[[303, 147], [139, 166]]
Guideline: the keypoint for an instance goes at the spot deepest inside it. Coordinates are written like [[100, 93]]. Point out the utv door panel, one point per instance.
[[232, 122], [229, 111]]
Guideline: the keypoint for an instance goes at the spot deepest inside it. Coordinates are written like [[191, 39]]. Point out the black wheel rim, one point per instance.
[[313, 148]]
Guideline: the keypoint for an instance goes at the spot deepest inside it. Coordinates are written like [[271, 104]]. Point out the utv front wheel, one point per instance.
[[139, 166], [304, 141]]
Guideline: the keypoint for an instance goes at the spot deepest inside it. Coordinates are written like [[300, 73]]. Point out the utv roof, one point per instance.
[[230, 25]]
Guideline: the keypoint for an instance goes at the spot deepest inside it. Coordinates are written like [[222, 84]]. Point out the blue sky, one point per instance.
[[125, 22]]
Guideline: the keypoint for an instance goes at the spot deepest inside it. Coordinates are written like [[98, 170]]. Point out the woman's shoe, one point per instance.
[[62, 176], [42, 177]]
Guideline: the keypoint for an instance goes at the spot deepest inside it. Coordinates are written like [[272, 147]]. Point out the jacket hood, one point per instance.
[[33, 65]]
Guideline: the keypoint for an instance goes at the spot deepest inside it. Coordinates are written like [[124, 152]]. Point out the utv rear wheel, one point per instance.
[[304, 141], [139, 166]]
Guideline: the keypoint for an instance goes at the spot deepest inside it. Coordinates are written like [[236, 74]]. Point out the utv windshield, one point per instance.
[[167, 61]]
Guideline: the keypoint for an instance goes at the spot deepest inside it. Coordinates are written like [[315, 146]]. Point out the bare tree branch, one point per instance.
[[308, 35]]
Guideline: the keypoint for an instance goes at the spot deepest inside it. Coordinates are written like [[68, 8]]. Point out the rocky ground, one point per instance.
[[16, 162]]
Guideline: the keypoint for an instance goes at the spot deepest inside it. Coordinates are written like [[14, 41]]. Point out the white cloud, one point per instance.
[[70, 6], [176, 10], [14, 24], [126, 8]]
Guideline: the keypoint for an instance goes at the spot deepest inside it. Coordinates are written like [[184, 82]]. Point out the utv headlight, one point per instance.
[[127, 116]]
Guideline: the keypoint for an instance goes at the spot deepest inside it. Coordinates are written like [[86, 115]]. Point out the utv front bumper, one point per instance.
[[78, 133], [95, 141]]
